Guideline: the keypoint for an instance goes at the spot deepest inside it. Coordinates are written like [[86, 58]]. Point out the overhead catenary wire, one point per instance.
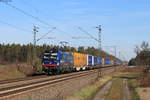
[[43, 36], [88, 34], [81, 38], [66, 33], [112, 52], [30, 5], [63, 31], [115, 49], [52, 18], [28, 14], [33, 17], [92, 37], [44, 13], [13, 26], [122, 56]]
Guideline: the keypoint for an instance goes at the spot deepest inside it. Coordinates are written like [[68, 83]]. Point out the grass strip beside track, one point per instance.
[[88, 92], [132, 83], [116, 92]]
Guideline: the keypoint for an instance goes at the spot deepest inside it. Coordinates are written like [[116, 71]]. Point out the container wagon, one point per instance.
[[90, 61], [107, 62], [99, 62], [79, 61], [95, 61]]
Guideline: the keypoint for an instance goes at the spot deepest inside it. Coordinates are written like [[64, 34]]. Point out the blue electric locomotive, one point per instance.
[[56, 61]]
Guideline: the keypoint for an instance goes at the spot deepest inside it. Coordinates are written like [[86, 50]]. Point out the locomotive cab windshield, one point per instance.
[[50, 59], [50, 56]]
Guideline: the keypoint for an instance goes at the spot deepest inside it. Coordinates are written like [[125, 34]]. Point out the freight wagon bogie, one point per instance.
[[78, 68], [84, 68]]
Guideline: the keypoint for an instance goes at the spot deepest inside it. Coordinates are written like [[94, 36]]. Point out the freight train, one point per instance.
[[57, 61]]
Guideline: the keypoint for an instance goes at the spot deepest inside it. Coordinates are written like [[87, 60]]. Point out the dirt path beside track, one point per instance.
[[106, 89], [102, 93], [126, 91]]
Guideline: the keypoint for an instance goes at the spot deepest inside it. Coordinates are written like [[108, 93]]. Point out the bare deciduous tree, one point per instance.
[[143, 54], [137, 50], [145, 46]]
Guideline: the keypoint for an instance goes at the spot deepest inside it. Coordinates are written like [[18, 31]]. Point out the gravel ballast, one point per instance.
[[58, 91]]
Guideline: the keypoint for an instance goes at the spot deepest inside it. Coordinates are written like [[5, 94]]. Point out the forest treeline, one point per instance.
[[16, 53]]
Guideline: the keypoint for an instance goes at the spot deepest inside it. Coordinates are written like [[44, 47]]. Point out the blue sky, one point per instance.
[[125, 23]]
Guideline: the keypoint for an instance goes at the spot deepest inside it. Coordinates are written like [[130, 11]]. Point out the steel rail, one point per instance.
[[22, 88]]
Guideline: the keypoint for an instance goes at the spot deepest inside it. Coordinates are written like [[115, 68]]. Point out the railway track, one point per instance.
[[21, 79], [10, 81], [23, 85], [21, 88]]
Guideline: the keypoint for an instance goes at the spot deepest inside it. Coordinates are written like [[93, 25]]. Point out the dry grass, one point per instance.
[[10, 71], [133, 85], [116, 92], [145, 80], [144, 93], [133, 69], [88, 92], [127, 75]]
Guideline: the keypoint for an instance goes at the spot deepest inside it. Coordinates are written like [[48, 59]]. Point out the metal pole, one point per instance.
[[115, 47], [35, 30], [99, 46], [99, 37]]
